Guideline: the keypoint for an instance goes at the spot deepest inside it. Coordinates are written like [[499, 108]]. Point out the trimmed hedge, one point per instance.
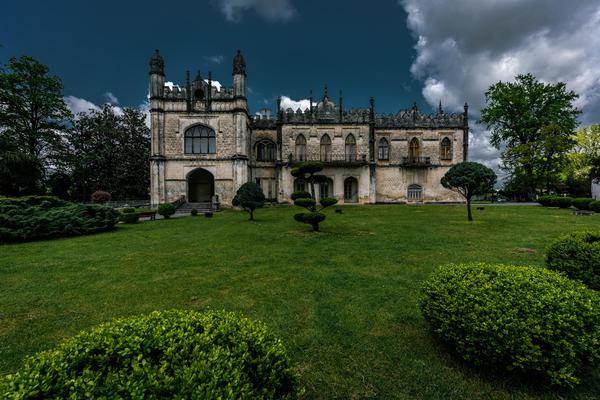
[[578, 256], [32, 218], [194, 212], [129, 217], [165, 354], [555, 201], [582, 203], [595, 206], [522, 319], [166, 210]]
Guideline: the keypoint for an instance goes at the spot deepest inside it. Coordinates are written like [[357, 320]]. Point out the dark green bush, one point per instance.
[[128, 210], [166, 355], [166, 210], [305, 202], [524, 319], [328, 201], [129, 217], [194, 212], [27, 219], [555, 201], [300, 195], [595, 206], [546, 201], [28, 201], [578, 256], [582, 203]]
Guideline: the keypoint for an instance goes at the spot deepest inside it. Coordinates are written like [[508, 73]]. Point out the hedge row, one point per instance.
[[44, 217], [163, 355], [577, 255], [581, 203]]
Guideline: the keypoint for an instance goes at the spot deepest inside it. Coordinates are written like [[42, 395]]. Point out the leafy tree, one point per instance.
[[469, 179], [110, 151], [577, 170], [32, 116], [307, 171], [19, 173], [250, 197], [517, 114]]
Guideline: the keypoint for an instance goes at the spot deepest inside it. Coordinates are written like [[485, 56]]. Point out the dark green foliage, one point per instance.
[[469, 179], [100, 196], [532, 122], [595, 206], [578, 256], [555, 201], [523, 319], [582, 203], [166, 355], [194, 212], [250, 197], [166, 210], [127, 210], [43, 217], [306, 203], [300, 195], [129, 217], [546, 201], [328, 201]]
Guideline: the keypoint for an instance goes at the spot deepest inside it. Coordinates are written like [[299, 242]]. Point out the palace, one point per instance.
[[206, 144]]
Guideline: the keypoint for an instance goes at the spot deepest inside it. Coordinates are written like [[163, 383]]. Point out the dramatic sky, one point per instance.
[[398, 51]]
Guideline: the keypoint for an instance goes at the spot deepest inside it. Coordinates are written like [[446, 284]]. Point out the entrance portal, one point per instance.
[[201, 186]]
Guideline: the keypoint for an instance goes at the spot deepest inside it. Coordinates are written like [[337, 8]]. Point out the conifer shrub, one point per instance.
[[166, 210], [526, 320], [165, 354], [578, 256], [582, 203]]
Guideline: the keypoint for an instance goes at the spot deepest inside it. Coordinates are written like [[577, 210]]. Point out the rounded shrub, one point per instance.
[[595, 206], [305, 202], [523, 319], [582, 203], [129, 217], [166, 354], [301, 195], [578, 256], [100, 196], [546, 201], [562, 202], [128, 210], [194, 212], [166, 210], [328, 201]]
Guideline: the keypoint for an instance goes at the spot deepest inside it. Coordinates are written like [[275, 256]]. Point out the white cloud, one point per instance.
[[111, 98], [271, 10], [287, 102], [465, 46], [78, 105], [214, 59]]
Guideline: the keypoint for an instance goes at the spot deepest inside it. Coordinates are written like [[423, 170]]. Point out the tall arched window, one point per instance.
[[325, 148], [301, 148], [265, 151], [350, 148], [414, 149], [326, 188], [383, 149], [200, 139], [446, 149]]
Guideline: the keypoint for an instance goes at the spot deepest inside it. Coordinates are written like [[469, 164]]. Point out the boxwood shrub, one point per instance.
[[582, 203], [129, 217], [555, 201], [165, 354], [523, 319], [41, 218], [578, 256], [166, 210]]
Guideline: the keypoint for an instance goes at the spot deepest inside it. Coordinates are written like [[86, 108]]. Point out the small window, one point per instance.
[[265, 151], [415, 193], [300, 148], [446, 149], [200, 139], [383, 149], [350, 148], [325, 148]]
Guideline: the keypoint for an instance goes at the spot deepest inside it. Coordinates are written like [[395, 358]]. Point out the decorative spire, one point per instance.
[[325, 93], [157, 64], [198, 78], [440, 110], [188, 91], [310, 105], [239, 64], [372, 109], [414, 107], [341, 108]]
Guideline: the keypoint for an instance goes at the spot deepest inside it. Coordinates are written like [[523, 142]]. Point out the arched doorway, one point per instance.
[[201, 186], [350, 190]]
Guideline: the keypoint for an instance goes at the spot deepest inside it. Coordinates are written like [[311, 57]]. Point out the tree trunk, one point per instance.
[[251, 214], [469, 215], [315, 227]]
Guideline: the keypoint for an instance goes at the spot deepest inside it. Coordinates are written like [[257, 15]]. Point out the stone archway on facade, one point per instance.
[[201, 186]]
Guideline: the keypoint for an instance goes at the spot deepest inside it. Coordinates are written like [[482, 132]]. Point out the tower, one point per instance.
[[157, 75], [157, 118]]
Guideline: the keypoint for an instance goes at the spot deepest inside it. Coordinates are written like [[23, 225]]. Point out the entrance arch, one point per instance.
[[201, 186]]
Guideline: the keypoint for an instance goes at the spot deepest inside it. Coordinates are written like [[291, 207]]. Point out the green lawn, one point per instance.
[[344, 300]]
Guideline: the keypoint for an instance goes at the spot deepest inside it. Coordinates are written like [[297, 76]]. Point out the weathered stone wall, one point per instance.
[[313, 134], [596, 189], [393, 182]]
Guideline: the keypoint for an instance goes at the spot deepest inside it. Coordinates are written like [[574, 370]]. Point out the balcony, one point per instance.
[[331, 159], [416, 161]]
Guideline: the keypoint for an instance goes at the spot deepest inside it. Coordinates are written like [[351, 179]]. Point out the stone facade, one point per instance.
[[596, 189], [205, 145]]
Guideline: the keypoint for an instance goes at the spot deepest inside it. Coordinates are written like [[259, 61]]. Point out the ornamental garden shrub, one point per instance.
[[129, 217], [250, 197], [578, 256], [308, 172], [582, 203], [527, 320], [166, 210], [546, 201], [165, 354], [30, 219], [100, 196], [595, 206], [194, 212], [562, 202]]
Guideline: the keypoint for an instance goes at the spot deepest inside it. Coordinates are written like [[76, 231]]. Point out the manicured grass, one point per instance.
[[344, 300]]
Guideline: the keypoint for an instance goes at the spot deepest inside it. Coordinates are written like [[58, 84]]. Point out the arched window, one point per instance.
[[446, 149], [415, 193], [383, 149], [326, 188], [265, 151], [350, 190], [414, 149], [325, 148], [299, 185], [350, 148], [200, 139], [300, 148]]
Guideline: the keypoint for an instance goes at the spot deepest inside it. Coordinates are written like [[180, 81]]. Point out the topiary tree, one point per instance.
[[166, 210], [308, 172], [469, 179], [250, 197]]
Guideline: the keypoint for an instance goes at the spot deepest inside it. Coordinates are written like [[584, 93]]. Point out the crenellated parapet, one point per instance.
[[414, 118]]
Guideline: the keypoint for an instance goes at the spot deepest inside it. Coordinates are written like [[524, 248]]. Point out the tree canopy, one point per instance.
[[469, 179], [250, 197]]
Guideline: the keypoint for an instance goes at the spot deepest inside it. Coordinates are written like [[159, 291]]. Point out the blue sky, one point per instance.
[[398, 51]]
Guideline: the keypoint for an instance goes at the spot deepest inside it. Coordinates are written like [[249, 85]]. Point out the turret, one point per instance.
[[157, 75], [198, 88], [239, 75]]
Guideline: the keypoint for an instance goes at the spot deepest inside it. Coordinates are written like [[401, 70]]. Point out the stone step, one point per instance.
[[186, 208]]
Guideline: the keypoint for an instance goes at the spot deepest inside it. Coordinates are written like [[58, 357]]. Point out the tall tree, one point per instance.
[[516, 113], [109, 151], [576, 174], [32, 116]]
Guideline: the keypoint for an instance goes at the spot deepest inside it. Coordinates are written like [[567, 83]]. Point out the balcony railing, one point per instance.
[[416, 161], [330, 158]]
